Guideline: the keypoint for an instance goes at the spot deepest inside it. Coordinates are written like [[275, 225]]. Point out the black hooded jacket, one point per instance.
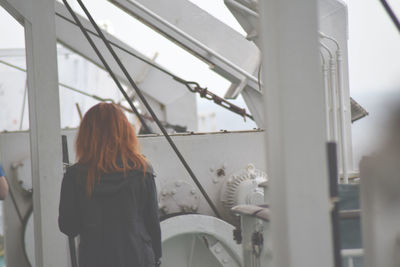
[[118, 225]]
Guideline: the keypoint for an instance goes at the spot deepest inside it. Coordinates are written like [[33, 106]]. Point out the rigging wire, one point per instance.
[[105, 64], [204, 93], [391, 14], [139, 93]]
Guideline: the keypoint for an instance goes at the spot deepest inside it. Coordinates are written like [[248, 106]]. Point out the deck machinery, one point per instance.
[[231, 166]]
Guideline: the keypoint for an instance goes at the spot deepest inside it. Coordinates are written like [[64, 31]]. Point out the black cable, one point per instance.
[[142, 121], [142, 98], [391, 14]]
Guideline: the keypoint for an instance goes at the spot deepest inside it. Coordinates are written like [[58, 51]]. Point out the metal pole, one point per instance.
[[71, 240], [334, 194], [294, 112], [44, 131], [343, 143], [326, 91], [139, 93]]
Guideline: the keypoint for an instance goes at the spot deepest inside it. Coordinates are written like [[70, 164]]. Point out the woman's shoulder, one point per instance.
[[75, 170], [149, 168]]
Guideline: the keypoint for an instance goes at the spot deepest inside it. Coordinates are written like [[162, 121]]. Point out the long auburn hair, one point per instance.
[[106, 143]]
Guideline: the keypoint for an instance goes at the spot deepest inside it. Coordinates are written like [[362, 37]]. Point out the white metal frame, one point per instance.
[[45, 143], [296, 155]]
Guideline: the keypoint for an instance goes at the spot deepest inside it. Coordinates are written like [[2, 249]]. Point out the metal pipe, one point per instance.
[[142, 98], [243, 8], [342, 116], [332, 86], [357, 252], [326, 91], [342, 107], [351, 262], [193, 40]]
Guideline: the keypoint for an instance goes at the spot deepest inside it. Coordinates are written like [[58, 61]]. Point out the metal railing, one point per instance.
[[349, 255]]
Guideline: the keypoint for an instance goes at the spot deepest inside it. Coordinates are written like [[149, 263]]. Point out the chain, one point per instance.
[[194, 87]]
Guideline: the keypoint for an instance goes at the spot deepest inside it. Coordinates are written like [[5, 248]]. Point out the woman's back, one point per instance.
[[118, 224]]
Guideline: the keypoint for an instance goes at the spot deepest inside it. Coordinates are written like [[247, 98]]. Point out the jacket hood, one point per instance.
[[113, 183]]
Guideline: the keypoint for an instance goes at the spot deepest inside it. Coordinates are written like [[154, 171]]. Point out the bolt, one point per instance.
[[163, 193], [173, 191], [221, 172], [165, 209], [178, 183], [215, 180], [225, 261], [193, 207], [193, 191], [217, 250]]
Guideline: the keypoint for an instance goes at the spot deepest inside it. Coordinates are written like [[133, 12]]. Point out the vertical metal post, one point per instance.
[[44, 118], [295, 135], [334, 194]]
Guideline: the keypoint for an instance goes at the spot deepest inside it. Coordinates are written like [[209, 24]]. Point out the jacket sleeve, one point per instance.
[[151, 215], [68, 218]]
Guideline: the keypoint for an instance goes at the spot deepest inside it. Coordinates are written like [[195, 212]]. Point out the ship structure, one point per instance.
[[285, 193]]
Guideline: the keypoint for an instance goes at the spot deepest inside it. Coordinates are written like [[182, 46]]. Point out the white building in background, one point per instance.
[[75, 72]]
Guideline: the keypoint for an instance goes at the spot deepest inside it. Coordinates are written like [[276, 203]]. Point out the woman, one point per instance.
[[109, 197]]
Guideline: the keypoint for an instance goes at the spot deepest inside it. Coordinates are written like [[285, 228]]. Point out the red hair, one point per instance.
[[106, 143]]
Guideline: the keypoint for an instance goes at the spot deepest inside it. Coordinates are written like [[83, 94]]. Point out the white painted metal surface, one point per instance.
[[296, 155], [198, 240], [207, 154], [45, 142], [189, 25]]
